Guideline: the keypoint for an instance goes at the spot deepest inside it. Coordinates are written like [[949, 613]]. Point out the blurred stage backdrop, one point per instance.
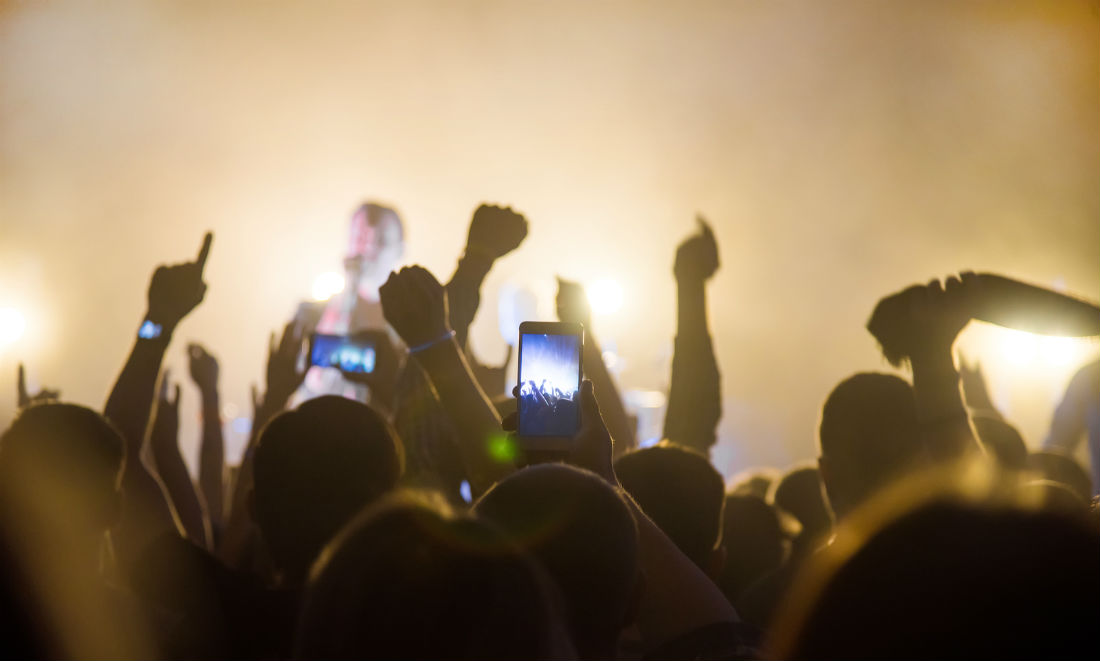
[[842, 150]]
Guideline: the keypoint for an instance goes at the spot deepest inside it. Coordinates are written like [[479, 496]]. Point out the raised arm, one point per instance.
[[283, 378], [204, 372], [415, 304], [173, 292], [572, 304], [25, 399], [164, 438], [919, 325], [678, 598], [694, 395], [494, 232]]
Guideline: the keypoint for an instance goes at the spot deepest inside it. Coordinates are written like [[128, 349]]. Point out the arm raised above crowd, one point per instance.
[[694, 395], [204, 372], [919, 325], [494, 232], [572, 306], [164, 439], [174, 291], [415, 304]]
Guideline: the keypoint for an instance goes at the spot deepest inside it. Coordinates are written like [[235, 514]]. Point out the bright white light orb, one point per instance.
[[1020, 348], [12, 325], [605, 296], [1029, 350], [1059, 350], [327, 285]]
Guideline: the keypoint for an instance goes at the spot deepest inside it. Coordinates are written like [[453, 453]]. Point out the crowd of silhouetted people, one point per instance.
[[397, 513]]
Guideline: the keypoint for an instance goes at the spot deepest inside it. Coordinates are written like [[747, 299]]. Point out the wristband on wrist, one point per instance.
[[150, 330], [427, 345]]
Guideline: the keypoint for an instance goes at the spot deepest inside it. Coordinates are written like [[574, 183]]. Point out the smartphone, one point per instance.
[[345, 353], [548, 407]]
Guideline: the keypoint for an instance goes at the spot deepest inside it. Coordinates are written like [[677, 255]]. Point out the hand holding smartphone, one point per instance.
[[548, 405], [351, 354]]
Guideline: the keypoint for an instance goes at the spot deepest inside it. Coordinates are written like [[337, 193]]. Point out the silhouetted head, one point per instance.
[[952, 580], [409, 580], [1001, 439], [800, 493], [315, 468], [63, 461], [1061, 468], [583, 532], [756, 544], [869, 435], [376, 241], [683, 493]]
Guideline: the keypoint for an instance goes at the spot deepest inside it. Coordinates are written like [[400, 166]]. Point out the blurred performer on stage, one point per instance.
[[397, 387], [376, 244]]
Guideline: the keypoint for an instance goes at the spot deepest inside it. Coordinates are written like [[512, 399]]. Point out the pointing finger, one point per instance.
[[204, 252], [21, 384]]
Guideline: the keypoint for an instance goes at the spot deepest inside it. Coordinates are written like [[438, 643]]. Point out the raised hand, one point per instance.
[[24, 399], [204, 368], [495, 231], [283, 375], [176, 290], [415, 304], [572, 303], [592, 447], [697, 256], [165, 431], [923, 319], [382, 380]]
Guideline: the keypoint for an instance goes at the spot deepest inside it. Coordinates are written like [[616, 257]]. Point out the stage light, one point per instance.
[[1019, 348], [327, 285], [12, 325], [1059, 350], [1024, 349], [605, 296]]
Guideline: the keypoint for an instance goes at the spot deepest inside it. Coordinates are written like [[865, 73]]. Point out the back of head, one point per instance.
[[801, 494], [1061, 468], [66, 459], [315, 467], [951, 579], [869, 436], [682, 492], [583, 532], [755, 543], [407, 580]]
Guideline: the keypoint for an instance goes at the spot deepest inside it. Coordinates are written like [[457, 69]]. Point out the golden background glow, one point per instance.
[[841, 150]]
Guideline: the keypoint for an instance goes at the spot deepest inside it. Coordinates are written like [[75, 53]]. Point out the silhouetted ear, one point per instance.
[[716, 563], [634, 604]]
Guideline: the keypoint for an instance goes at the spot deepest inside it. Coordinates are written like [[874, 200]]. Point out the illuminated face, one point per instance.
[[376, 242]]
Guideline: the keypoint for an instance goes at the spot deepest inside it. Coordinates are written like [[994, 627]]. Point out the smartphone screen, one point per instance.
[[344, 353], [549, 380]]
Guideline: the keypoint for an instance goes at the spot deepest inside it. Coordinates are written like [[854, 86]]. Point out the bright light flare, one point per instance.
[[1024, 349], [1059, 350], [327, 285], [12, 325], [605, 296]]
